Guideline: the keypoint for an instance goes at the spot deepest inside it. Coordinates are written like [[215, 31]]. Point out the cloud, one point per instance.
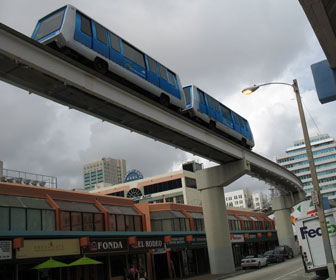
[[222, 46]]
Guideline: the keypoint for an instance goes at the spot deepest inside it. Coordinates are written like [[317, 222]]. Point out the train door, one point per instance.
[[236, 123], [168, 81], [202, 106], [152, 72], [134, 60], [218, 115], [211, 106], [83, 30], [100, 41], [226, 116], [243, 128], [115, 50]]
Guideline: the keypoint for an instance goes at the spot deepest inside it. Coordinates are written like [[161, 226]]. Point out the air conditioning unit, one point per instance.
[[26, 181], [42, 183], [34, 182], [18, 180]]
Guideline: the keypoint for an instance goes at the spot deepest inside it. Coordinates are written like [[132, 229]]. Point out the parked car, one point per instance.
[[274, 256], [254, 261], [285, 250]]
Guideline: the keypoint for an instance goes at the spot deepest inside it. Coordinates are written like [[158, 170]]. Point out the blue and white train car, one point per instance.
[[72, 30], [202, 106]]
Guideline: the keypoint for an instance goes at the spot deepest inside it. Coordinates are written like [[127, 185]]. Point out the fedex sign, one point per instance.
[[316, 232]]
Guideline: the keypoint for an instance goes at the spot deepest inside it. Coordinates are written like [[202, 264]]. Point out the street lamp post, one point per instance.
[[316, 193]]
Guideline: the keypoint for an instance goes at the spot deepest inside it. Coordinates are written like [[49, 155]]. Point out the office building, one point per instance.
[[324, 153], [260, 201], [104, 172], [240, 198]]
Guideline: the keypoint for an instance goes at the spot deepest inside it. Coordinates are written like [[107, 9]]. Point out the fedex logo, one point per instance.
[[316, 232]]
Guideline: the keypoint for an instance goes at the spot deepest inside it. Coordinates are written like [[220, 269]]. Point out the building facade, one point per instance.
[[324, 153], [103, 172], [260, 201], [176, 187], [240, 198], [166, 240]]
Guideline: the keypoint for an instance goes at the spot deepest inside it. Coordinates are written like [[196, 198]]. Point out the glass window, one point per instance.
[[177, 226], [76, 221], [183, 224], [202, 98], [156, 225], [187, 94], [50, 24], [152, 65], [18, 219], [65, 220], [163, 72], [167, 225], [101, 33], [134, 55], [209, 101], [86, 25], [34, 221], [113, 222], [98, 222], [88, 221], [171, 78], [4, 214], [48, 220], [129, 223], [137, 223], [121, 222], [115, 42]]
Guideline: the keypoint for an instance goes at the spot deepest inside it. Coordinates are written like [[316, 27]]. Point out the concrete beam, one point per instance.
[[221, 175], [210, 182], [282, 209]]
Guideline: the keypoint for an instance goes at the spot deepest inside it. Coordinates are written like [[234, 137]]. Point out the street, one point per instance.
[[288, 270]]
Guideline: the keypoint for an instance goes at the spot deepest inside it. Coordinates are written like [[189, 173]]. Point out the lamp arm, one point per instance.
[[276, 83]]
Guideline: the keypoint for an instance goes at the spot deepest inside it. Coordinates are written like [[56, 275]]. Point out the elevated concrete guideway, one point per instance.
[[38, 69]]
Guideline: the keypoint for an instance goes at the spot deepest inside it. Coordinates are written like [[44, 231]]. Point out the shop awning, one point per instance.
[[124, 210], [51, 263], [84, 261], [77, 206], [168, 214]]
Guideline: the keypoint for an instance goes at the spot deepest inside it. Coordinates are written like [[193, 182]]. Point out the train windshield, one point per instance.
[[49, 24], [187, 93]]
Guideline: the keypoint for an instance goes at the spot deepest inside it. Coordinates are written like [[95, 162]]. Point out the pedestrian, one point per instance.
[[133, 273]]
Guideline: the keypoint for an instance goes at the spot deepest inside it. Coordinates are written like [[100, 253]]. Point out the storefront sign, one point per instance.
[[144, 243], [236, 238], [5, 249], [177, 242], [198, 241], [108, 245], [48, 248], [252, 236]]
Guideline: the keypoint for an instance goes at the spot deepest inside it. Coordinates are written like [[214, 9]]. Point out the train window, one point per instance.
[[216, 105], [152, 65], [187, 94], [86, 25], [101, 33], [115, 43], [210, 101], [171, 78], [236, 119], [241, 122], [202, 98], [134, 55], [50, 24], [163, 72], [226, 112]]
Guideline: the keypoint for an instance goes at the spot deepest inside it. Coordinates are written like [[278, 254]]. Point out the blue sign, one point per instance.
[[325, 81], [133, 175]]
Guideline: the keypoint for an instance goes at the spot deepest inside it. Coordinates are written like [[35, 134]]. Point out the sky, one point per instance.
[[220, 46]]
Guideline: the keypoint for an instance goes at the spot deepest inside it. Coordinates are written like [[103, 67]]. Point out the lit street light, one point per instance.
[[316, 194]]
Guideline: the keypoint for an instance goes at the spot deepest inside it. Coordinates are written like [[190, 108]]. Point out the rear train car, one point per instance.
[[202, 106], [68, 29]]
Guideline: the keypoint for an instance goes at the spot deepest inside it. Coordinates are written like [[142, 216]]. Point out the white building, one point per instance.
[[104, 172], [241, 198], [260, 201], [324, 153]]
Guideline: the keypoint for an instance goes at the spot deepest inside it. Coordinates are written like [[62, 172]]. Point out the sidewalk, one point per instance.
[[214, 276]]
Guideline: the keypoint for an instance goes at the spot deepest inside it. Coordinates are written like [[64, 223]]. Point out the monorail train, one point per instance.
[[77, 35], [202, 106]]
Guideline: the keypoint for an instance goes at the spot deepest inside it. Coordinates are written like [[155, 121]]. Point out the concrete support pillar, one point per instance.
[[282, 208], [211, 182]]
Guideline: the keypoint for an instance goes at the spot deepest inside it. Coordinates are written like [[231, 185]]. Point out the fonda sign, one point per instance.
[[108, 245]]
